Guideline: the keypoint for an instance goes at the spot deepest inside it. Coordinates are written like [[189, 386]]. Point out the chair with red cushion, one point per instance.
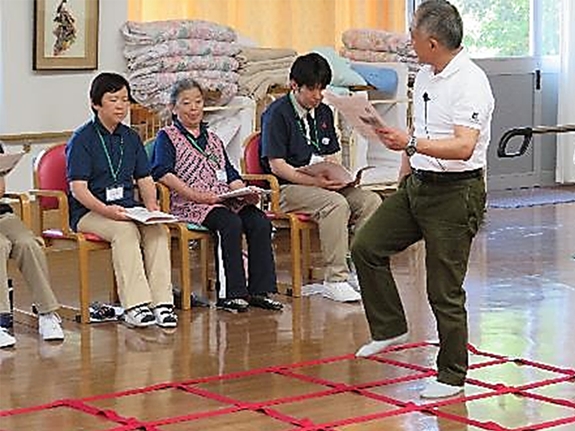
[[51, 188], [299, 224]]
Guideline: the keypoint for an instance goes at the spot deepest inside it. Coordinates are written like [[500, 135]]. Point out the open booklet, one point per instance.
[[8, 162], [359, 112], [244, 191], [142, 215], [334, 172]]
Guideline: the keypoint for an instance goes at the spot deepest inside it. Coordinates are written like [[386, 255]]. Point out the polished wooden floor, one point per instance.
[[521, 296]]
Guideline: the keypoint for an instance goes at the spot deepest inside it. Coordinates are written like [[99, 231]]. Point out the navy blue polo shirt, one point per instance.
[[284, 138], [164, 155], [86, 160], [4, 208]]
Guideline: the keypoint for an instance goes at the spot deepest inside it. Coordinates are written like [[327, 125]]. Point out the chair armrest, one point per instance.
[[62, 208], [163, 197], [273, 184], [24, 204]]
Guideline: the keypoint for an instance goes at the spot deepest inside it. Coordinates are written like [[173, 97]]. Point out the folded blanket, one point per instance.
[[377, 40], [149, 33], [137, 56], [260, 66], [256, 86], [247, 55], [156, 82], [369, 56], [158, 98], [185, 63]]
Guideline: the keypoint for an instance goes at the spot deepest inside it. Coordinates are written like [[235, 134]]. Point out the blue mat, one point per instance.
[[531, 197]]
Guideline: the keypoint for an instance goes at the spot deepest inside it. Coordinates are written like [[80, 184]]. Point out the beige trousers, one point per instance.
[[333, 212], [141, 258], [19, 243]]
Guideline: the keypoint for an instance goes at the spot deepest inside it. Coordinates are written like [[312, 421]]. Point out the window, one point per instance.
[[510, 28]]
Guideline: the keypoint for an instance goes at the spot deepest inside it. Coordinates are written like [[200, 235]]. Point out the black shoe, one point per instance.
[[265, 302], [233, 305]]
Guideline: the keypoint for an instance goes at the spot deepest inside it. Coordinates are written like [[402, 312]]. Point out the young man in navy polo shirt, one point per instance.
[[298, 130]]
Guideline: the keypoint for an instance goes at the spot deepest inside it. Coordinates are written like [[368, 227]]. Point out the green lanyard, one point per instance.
[[299, 121], [192, 140], [110, 165]]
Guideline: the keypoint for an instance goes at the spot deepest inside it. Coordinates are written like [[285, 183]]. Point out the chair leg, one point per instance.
[[306, 255], [83, 269], [204, 250], [295, 239], [114, 297], [185, 268]]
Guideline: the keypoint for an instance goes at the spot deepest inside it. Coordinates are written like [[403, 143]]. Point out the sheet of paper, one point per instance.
[[8, 161], [142, 215], [359, 112], [244, 191]]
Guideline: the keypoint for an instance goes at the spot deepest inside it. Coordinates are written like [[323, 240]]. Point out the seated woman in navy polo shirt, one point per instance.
[[104, 158], [192, 162]]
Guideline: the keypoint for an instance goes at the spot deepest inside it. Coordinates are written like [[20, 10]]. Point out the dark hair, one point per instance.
[[441, 20], [311, 70], [107, 83], [179, 87], [183, 85]]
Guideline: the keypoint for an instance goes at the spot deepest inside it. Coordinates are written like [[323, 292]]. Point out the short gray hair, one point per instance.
[[441, 20], [183, 85]]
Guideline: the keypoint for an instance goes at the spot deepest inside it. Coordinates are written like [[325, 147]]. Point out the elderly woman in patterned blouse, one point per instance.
[[192, 162]]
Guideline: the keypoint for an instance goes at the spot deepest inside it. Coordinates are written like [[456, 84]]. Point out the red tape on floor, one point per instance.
[[269, 408]]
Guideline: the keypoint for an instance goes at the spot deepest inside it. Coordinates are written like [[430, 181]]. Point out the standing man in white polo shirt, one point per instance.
[[441, 197]]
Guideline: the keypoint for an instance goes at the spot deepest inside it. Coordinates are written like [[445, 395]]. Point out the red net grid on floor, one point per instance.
[[482, 384]]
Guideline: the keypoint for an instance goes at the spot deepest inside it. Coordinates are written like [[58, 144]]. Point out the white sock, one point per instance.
[[435, 389], [374, 346]]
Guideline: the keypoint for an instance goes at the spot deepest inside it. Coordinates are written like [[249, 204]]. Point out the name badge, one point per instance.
[[114, 193], [221, 175], [316, 159]]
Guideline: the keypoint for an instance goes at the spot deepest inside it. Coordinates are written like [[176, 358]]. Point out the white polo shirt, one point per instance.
[[458, 96]]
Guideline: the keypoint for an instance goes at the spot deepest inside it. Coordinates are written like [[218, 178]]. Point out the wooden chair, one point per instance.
[[183, 233], [300, 225], [51, 188]]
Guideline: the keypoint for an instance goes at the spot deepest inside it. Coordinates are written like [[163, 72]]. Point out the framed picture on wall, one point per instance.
[[66, 34]]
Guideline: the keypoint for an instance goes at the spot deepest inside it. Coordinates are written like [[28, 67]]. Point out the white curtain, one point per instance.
[[565, 172]]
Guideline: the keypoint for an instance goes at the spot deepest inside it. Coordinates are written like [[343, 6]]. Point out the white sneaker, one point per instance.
[[49, 327], [435, 389], [165, 316], [374, 347], [6, 340], [353, 281], [139, 317], [340, 291]]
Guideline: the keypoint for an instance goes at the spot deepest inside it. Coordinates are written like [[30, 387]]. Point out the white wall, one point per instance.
[[42, 101]]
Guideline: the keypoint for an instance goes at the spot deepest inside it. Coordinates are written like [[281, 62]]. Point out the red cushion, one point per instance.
[[58, 234], [50, 171], [304, 217]]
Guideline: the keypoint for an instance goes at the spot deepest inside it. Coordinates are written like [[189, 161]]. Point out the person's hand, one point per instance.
[[153, 206], [209, 198], [116, 212], [328, 184], [251, 199], [394, 139]]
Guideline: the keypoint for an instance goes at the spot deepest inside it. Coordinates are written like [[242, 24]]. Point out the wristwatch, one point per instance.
[[411, 147]]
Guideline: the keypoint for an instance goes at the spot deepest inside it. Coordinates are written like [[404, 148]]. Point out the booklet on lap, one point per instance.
[[142, 215], [244, 191], [8, 162], [334, 172]]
